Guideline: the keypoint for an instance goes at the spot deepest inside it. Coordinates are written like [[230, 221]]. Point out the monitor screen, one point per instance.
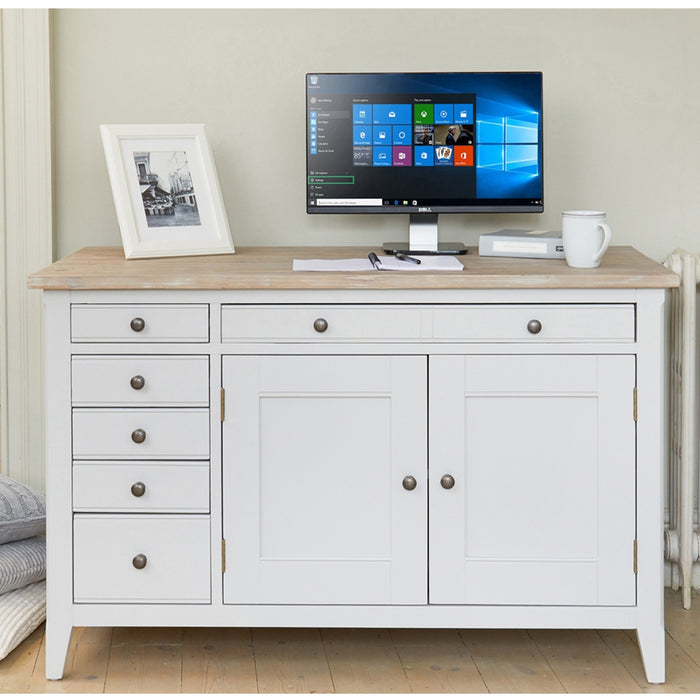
[[424, 142]]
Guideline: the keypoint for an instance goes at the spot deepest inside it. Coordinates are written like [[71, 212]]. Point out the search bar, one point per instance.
[[348, 202]]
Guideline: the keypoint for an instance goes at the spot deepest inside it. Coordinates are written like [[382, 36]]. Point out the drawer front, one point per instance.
[[175, 554], [140, 380], [167, 434], [529, 322], [140, 323], [447, 323], [147, 487], [267, 322]]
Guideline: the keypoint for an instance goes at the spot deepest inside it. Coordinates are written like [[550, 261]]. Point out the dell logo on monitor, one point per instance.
[[425, 209]]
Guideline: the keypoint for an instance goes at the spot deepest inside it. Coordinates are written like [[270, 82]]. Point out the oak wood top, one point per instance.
[[271, 268]]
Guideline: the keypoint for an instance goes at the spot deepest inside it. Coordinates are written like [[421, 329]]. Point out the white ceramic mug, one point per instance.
[[586, 237]]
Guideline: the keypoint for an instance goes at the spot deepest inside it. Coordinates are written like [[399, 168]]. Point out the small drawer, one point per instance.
[[536, 323], [141, 559], [140, 323], [267, 322], [140, 380], [141, 434], [150, 487]]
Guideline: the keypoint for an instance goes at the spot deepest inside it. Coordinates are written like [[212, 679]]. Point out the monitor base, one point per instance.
[[394, 247]]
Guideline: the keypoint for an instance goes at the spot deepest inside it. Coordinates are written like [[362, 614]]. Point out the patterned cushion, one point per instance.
[[22, 562], [22, 511], [21, 612]]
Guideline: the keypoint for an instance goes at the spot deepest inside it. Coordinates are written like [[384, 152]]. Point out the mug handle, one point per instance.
[[606, 242]]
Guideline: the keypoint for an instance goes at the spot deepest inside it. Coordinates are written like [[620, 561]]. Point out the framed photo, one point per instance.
[[166, 191]]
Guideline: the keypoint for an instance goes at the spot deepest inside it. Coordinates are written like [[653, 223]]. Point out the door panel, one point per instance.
[[315, 452], [541, 449]]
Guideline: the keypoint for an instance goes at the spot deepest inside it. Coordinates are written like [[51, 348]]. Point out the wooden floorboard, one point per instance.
[[86, 665], [510, 662], [437, 661], [364, 661], [218, 660], [291, 661], [17, 668], [583, 663], [221, 660]]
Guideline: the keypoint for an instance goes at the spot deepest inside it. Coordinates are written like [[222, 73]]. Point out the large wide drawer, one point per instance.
[[174, 433], [146, 487], [435, 323], [140, 323], [141, 559], [140, 380]]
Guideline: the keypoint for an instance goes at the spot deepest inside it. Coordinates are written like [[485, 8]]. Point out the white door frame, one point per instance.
[[26, 236]]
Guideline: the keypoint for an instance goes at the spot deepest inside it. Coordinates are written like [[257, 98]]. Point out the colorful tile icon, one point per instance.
[[464, 155], [401, 134], [381, 135], [424, 135], [424, 156], [423, 114], [444, 114], [444, 155], [464, 114], [382, 156], [401, 156], [362, 114], [391, 114], [361, 135], [362, 156]]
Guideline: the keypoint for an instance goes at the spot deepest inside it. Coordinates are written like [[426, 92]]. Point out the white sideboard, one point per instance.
[[230, 443]]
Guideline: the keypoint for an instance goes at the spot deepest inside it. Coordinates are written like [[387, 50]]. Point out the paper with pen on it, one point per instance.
[[387, 262]]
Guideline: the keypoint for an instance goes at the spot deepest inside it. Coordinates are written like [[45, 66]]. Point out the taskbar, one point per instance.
[[329, 205]]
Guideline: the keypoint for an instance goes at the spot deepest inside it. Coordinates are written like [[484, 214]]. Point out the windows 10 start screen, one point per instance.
[[424, 142]]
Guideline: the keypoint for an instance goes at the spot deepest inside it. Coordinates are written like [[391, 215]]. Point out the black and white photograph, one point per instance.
[[166, 188], [166, 191]]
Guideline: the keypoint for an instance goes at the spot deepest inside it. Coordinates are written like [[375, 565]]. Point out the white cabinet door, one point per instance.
[[315, 454], [542, 452]]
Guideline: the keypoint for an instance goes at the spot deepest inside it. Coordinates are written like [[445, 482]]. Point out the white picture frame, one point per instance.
[[166, 191]]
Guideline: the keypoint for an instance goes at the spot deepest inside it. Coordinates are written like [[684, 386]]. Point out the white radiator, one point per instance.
[[683, 535]]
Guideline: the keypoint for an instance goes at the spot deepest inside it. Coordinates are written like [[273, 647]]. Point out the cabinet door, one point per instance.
[[542, 452], [315, 452]]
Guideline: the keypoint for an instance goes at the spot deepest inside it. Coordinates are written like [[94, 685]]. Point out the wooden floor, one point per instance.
[[183, 660]]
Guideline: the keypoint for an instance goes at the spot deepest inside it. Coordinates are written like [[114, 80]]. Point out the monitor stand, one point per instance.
[[423, 239]]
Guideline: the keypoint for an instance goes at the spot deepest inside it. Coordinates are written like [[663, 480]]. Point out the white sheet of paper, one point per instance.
[[388, 262]]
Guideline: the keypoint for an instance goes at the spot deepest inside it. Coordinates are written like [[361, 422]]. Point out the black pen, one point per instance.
[[407, 258], [376, 264]]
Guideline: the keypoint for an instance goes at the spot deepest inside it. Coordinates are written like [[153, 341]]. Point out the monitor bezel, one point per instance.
[[485, 207]]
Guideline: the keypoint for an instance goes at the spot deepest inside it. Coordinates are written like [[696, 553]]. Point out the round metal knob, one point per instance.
[[534, 326], [139, 435], [137, 382], [140, 561], [138, 489], [409, 483], [137, 324], [447, 481], [320, 325]]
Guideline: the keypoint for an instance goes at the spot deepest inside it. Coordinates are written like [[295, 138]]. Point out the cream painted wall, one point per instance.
[[621, 109]]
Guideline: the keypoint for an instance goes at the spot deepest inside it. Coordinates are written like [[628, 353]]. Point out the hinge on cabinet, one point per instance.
[[223, 555], [634, 406], [635, 556], [223, 404]]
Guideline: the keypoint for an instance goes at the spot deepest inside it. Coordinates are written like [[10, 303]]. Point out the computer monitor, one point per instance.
[[424, 144]]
